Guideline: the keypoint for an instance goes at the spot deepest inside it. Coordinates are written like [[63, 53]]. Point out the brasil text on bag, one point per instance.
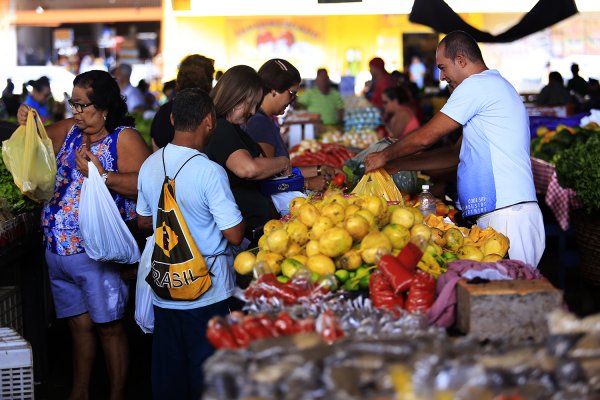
[[179, 271], [29, 157], [105, 235]]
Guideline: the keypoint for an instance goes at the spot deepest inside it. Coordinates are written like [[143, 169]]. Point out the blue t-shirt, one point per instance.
[[42, 109], [494, 169], [204, 197], [263, 129]]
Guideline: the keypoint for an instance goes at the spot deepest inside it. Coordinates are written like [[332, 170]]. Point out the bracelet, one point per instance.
[[318, 170]]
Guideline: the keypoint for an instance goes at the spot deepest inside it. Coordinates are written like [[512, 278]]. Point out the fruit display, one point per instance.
[[311, 152], [360, 139], [476, 244], [362, 118], [548, 144]]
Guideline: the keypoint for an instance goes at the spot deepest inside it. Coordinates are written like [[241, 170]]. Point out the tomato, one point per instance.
[[339, 179]]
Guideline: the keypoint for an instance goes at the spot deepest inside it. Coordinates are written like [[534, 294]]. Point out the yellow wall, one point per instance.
[[227, 40]]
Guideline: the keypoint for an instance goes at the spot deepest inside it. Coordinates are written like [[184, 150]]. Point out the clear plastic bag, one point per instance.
[[144, 313], [29, 157], [105, 235]]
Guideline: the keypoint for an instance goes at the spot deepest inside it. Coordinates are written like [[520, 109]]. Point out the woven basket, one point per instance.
[[587, 234]]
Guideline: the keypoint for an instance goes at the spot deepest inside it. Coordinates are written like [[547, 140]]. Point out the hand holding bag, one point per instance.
[[105, 235], [29, 157]]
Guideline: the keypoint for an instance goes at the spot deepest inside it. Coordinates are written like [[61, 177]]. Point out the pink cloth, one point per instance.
[[561, 201], [443, 311]]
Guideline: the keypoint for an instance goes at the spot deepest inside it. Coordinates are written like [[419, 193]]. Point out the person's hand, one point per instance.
[[287, 170], [82, 156], [317, 183], [375, 161], [330, 170], [22, 114]]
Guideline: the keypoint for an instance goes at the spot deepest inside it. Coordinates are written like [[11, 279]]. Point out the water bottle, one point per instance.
[[426, 201]]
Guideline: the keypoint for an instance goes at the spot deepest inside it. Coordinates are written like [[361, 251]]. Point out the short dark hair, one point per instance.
[[190, 107], [555, 76], [398, 93], [104, 93], [196, 71], [39, 84], [279, 75], [459, 42]]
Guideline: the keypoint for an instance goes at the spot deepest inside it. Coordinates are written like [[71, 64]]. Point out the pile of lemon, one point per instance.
[[333, 233]]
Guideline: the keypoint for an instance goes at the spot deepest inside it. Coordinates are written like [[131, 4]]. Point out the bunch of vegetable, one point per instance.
[[549, 144], [327, 154], [11, 194], [578, 168]]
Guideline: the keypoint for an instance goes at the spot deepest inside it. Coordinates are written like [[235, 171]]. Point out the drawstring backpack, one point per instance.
[[178, 270]]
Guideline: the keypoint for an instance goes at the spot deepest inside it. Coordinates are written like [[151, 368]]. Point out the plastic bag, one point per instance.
[[105, 235], [144, 313], [29, 157]]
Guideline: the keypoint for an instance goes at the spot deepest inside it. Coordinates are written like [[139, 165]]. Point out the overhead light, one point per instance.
[[39, 9]]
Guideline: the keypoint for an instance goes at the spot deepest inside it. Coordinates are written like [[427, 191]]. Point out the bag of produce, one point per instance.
[[29, 157], [144, 313], [105, 235]]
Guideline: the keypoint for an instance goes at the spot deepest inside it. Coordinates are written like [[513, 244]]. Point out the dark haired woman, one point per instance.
[[281, 80], [91, 294], [399, 116], [237, 96], [38, 98]]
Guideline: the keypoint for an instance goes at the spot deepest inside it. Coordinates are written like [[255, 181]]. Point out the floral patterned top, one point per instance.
[[60, 221]]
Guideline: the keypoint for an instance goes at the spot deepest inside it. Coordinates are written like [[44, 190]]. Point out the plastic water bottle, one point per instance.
[[426, 201]]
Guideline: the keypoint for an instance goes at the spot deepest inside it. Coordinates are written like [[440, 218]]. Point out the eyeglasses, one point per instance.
[[78, 107], [293, 94]]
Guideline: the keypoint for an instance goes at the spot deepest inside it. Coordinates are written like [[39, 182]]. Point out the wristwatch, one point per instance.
[[104, 176], [318, 170]]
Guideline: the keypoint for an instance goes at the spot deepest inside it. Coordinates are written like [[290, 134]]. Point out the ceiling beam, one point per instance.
[[92, 15]]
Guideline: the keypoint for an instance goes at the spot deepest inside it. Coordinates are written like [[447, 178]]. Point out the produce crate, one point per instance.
[[16, 366], [11, 314]]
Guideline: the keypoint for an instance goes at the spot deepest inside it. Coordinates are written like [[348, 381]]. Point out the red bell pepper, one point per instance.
[[382, 294], [219, 334], [399, 277], [421, 294], [254, 328], [285, 324], [268, 323]]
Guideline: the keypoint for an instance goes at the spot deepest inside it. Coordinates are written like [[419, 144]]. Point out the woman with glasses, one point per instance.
[[281, 81], [236, 97], [91, 294]]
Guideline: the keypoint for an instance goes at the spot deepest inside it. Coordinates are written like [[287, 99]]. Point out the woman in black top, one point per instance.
[[237, 96]]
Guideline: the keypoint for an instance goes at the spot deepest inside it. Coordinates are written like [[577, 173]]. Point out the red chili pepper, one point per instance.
[[382, 294], [254, 328], [421, 294], [399, 277], [219, 334], [285, 324]]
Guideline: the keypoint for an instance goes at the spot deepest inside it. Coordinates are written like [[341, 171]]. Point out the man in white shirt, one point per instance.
[[133, 96], [495, 183]]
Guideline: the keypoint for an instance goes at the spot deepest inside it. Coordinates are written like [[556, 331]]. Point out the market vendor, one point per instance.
[[236, 97], [91, 295], [280, 84], [495, 183], [323, 100]]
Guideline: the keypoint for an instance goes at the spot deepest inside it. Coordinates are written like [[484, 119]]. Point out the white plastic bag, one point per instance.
[[105, 235], [282, 200], [144, 313]]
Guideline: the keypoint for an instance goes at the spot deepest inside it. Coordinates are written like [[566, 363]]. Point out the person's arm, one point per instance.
[[235, 235], [419, 140], [57, 132], [442, 158], [132, 152], [267, 148], [244, 166]]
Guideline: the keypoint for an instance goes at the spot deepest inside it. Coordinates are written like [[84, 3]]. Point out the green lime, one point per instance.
[[351, 285], [362, 272], [342, 275], [364, 282], [314, 277], [282, 278]]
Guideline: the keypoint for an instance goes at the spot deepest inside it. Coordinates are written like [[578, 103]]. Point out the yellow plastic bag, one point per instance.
[[29, 157]]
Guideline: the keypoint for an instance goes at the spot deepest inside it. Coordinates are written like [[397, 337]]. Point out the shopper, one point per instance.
[[381, 80], [179, 346], [554, 93], [495, 183], [280, 81], [398, 114], [195, 71], [39, 96], [237, 96], [323, 100], [91, 294], [133, 97], [417, 72], [577, 84]]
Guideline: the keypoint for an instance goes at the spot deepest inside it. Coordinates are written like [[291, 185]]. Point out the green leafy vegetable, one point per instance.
[[11, 193]]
